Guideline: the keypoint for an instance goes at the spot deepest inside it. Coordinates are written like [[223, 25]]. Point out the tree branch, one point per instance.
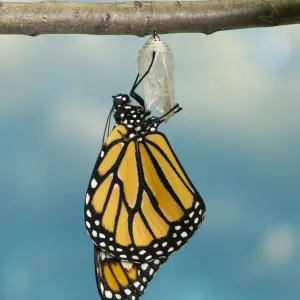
[[140, 18]]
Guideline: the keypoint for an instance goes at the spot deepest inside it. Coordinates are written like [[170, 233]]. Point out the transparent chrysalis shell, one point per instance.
[[159, 83]]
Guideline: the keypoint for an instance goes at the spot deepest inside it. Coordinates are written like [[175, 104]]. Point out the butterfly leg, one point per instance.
[[133, 94], [123, 136], [174, 109], [161, 119]]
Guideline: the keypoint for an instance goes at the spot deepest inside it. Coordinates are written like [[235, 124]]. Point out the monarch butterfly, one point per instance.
[[140, 205]]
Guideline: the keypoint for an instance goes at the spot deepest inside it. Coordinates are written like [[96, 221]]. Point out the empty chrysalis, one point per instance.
[[159, 83]]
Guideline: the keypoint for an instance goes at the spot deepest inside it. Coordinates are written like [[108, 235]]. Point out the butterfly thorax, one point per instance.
[[135, 118]]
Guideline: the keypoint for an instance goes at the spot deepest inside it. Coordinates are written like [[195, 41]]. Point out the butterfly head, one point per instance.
[[121, 99]]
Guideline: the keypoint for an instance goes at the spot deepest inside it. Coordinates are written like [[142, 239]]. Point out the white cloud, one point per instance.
[[18, 281], [273, 256], [78, 122], [14, 54], [278, 245], [226, 92], [276, 46], [226, 212]]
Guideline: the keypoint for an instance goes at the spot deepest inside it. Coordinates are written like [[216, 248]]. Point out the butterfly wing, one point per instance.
[[119, 279], [169, 197], [140, 203]]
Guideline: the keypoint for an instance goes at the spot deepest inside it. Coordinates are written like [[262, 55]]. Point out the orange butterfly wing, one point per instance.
[[118, 279], [140, 203]]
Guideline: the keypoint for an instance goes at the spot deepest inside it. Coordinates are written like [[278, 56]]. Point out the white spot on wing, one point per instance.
[[93, 183], [126, 264], [144, 266], [88, 213], [127, 292], [102, 154], [108, 294], [102, 236], [88, 225], [87, 199], [94, 233], [184, 234]]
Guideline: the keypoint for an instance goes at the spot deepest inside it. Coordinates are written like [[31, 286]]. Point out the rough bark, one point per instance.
[[140, 18]]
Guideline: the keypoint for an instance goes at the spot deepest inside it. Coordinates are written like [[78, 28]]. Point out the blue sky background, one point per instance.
[[237, 137]]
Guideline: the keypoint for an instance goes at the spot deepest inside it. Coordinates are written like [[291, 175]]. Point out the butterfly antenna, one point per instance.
[[106, 124], [108, 128]]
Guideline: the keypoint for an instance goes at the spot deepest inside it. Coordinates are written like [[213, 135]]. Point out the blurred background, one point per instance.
[[237, 137]]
